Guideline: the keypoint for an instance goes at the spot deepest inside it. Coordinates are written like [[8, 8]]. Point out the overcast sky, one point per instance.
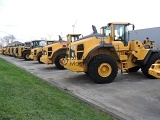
[[34, 19]]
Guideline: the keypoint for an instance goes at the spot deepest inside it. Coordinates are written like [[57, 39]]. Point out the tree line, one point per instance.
[[6, 40]]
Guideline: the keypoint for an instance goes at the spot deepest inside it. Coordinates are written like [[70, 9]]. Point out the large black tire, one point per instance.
[[134, 69], [38, 58], [86, 73], [96, 66], [26, 55], [57, 61], [151, 61]]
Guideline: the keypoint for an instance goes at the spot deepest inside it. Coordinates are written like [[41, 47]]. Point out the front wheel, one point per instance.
[[38, 58], [102, 69], [58, 61], [26, 55], [155, 58]]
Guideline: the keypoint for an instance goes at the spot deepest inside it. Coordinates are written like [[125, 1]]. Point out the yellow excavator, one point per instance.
[[101, 55]]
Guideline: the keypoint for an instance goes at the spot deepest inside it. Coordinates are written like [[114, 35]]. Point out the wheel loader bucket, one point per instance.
[[154, 70]]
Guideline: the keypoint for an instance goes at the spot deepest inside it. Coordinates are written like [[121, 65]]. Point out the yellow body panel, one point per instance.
[[46, 60], [119, 46], [74, 65], [50, 50], [141, 54], [14, 52], [34, 58], [11, 51], [34, 53], [20, 50], [4, 50], [31, 57], [1, 51], [7, 51], [154, 70]]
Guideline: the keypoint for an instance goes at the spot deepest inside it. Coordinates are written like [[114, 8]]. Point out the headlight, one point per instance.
[[72, 47], [72, 52]]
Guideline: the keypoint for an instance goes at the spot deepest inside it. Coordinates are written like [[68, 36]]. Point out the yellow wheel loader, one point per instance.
[[1, 50], [22, 48], [36, 53], [4, 50], [15, 49], [54, 53], [11, 50], [7, 50], [101, 55], [24, 51]]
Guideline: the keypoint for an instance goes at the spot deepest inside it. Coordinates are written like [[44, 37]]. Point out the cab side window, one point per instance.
[[119, 31]]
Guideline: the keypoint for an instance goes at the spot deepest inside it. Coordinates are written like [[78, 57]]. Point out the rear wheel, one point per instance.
[[26, 55], [58, 61], [102, 69], [155, 58]]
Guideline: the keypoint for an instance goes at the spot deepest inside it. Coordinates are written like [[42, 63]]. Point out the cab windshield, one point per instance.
[[28, 44], [42, 43], [38, 43], [121, 32], [75, 37], [107, 30], [50, 42]]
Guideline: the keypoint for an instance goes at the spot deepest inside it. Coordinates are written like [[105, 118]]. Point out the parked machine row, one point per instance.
[[99, 55]]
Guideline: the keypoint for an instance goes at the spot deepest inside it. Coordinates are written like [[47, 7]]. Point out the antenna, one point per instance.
[[74, 25], [50, 35]]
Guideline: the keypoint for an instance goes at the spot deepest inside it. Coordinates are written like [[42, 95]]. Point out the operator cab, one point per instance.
[[118, 32], [38, 43], [73, 37]]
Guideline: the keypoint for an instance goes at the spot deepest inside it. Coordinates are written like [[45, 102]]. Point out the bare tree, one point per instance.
[[7, 39], [2, 41]]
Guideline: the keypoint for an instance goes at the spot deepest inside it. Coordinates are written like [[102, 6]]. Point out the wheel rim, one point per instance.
[[157, 61], [27, 56], [61, 61], [104, 69]]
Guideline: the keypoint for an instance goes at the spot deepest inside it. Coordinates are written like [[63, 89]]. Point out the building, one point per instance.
[[152, 33]]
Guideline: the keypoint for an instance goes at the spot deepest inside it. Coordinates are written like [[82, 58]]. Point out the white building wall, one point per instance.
[[142, 34]]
